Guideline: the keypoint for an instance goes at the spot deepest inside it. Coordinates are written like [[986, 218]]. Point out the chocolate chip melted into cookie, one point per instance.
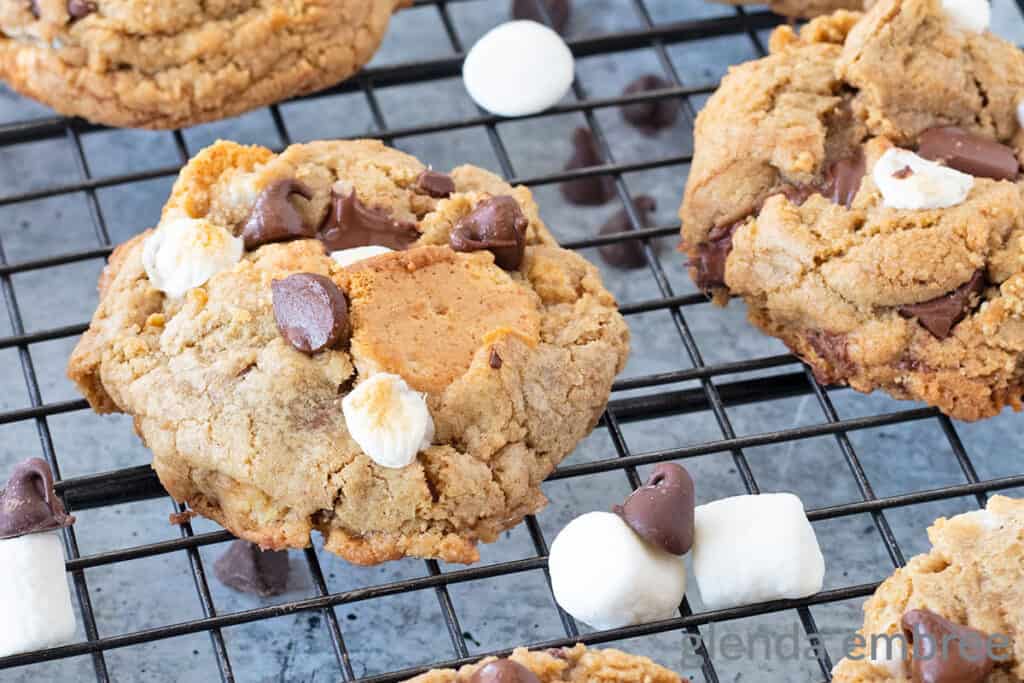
[[496, 225], [434, 184], [274, 218], [941, 314], [504, 671], [973, 154], [311, 312], [591, 190], [350, 223], [712, 255], [76, 8], [952, 654], [834, 350]]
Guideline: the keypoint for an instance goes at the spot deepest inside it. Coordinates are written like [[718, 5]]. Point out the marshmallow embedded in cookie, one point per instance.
[[346, 257], [37, 610], [968, 15], [605, 574], [518, 68], [750, 549], [183, 253], [389, 421], [908, 181]]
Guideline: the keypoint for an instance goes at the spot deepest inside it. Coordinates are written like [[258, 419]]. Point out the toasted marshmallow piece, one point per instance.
[[185, 252], [346, 257], [37, 610], [908, 181], [751, 549], [969, 15], [604, 574], [389, 421], [518, 68]]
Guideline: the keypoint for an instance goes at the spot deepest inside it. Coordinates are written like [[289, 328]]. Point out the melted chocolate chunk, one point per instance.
[[311, 312], [437, 185], [626, 254], [840, 185], [80, 8], [834, 350], [651, 116], [274, 218], [952, 653], [661, 511], [33, 6], [712, 255], [969, 153], [246, 568], [495, 360], [558, 10], [496, 225], [28, 504], [940, 315], [350, 223], [591, 190], [504, 671]]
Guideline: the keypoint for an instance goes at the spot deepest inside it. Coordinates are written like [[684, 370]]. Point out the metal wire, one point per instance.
[[715, 392]]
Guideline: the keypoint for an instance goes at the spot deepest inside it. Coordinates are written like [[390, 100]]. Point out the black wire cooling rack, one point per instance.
[[714, 388]]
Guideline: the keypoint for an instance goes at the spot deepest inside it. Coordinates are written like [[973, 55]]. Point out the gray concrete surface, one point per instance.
[[390, 633]]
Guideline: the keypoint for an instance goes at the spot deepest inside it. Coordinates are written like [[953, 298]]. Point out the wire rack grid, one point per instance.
[[700, 388]]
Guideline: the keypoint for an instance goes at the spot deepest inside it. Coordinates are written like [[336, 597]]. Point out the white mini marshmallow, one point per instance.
[[346, 257], [389, 421], [605, 575], [518, 68], [1020, 113], [37, 610], [750, 549], [969, 15], [928, 185], [184, 253]]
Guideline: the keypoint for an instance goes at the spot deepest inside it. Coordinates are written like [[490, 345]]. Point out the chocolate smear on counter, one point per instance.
[[350, 223], [247, 568], [495, 360], [968, 153], [80, 8], [940, 315], [434, 184], [951, 654], [712, 255], [653, 115], [661, 511], [311, 312], [626, 254], [274, 218], [28, 504], [503, 671], [559, 10], [590, 190], [496, 225]]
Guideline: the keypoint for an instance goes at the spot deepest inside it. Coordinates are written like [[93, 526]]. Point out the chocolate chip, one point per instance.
[[653, 115], [495, 360], [246, 568], [591, 190], [33, 7], [953, 653], [80, 8], [558, 10], [437, 185], [274, 218], [503, 671], [903, 173], [497, 225], [968, 153], [940, 315], [350, 223], [311, 312], [661, 511], [834, 349], [840, 185], [28, 504], [626, 254], [712, 256]]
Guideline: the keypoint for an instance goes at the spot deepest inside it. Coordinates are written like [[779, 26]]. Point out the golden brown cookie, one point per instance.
[[575, 664], [878, 277], [140, 64], [804, 9], [973, 577], [271, 380]]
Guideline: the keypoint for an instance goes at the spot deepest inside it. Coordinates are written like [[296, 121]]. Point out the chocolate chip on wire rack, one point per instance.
[[247, 568], [589, 190], [651, 116], [559, 10], [662, 510], [629, 253]]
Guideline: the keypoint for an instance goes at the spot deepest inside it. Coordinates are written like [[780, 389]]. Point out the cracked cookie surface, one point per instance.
[[973, 576], [516, 365], [576, 664], [781, 207], [139, 64]]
